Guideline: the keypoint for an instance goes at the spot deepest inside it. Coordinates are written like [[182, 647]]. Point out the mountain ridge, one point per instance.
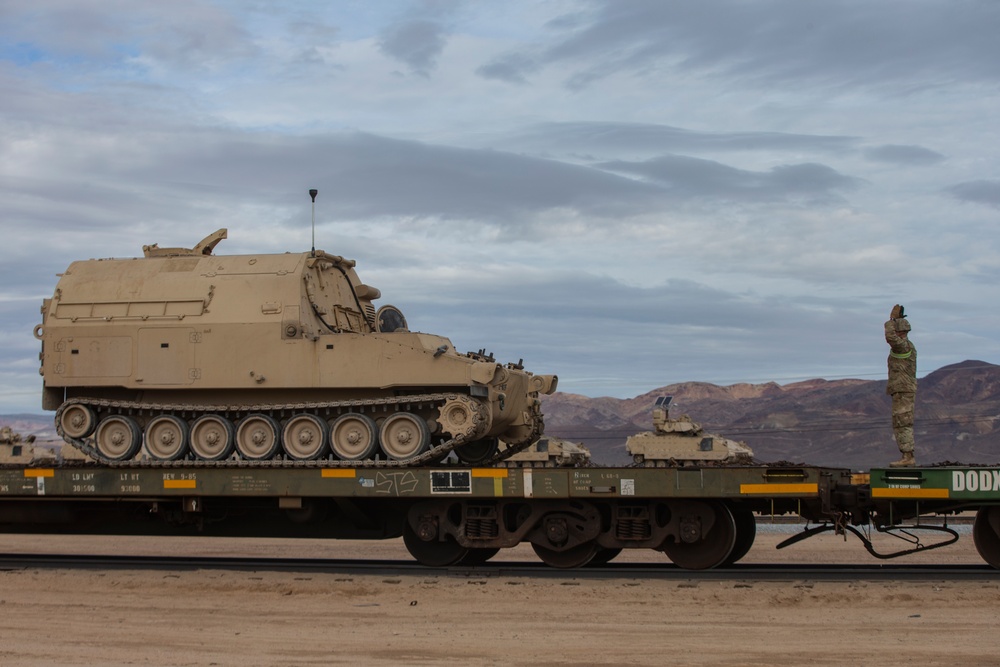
[[837, 423], [822, 422]]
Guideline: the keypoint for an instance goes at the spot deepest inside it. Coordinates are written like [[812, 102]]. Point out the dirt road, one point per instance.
[[204, 617]]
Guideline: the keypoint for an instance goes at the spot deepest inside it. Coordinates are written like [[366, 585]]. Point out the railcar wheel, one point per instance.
[[603, 556], [478, 555], [166, 438], [708, 550], [433, 553], [257, 437], [746, 533], [577, 556], [474, 453], [78, 421], [118, 438], [304, 437], [212, 437], [404, 435], [986, 534], [353, 437]]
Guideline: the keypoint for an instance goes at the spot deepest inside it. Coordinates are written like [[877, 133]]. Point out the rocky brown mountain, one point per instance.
[[835, 423]]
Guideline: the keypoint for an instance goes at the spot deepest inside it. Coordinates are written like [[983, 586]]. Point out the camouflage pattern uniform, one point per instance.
[[902, 385]]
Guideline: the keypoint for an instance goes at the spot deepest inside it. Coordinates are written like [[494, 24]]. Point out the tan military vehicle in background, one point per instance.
[[680, 441], [187, 355], [548, 452], [15, 448]]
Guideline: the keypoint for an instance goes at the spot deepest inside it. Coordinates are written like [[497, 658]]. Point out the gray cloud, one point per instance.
[[371, 176], [698, 177], [677, 329], [904, 155], [170, 175], [656, 241], [415, 42], [977, 192], [511, 67], [651, 139], [188, 34], [905, 44]]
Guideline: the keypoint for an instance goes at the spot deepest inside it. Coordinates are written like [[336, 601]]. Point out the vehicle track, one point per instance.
[[748, 572]]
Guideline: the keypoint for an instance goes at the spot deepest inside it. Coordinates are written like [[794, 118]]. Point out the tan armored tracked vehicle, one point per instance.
[[14, 448], [548, 452], [186, 355], [682, 441]]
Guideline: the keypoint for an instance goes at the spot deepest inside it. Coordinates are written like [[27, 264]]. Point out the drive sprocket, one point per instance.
[[464, 417]]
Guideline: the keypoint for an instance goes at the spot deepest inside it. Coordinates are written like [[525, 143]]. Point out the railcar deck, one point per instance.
[[701, 517]]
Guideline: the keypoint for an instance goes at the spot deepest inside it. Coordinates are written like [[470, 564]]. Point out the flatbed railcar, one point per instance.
[[700, 517], [265, 395]]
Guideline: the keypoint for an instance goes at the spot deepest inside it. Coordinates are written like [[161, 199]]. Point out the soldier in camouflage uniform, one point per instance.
[[902, 385]]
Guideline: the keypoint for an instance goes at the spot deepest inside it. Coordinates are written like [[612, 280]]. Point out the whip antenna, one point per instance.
[[313, 193]]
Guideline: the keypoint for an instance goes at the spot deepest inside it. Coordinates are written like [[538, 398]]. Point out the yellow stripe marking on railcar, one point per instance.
[[39, 472], [180, 484], [489, 472], [772, 489], [341, 473], [910, 493]]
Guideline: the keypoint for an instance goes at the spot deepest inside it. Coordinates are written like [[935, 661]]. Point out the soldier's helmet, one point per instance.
[[902, 324]]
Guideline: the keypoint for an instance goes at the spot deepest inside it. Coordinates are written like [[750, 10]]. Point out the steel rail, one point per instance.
[[742, 572]]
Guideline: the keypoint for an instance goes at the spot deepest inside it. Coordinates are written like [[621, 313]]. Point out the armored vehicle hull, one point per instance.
[[682, 442], [186, 355]]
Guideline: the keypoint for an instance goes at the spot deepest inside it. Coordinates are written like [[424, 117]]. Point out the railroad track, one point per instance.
[[748, 572]]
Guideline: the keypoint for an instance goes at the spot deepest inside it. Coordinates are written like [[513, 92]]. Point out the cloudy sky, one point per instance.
[[628, 193]]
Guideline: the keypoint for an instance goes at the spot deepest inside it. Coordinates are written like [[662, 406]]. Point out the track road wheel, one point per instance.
[[353, 437], [404, 435], [118, 437], [78, 421], [986, 534], [167, 438], [304, 437], [566, 559], [434, 552], [706, 548], [257, 437], [746, 532], [212, 437]]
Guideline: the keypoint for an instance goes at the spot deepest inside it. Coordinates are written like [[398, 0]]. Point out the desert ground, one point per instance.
[[245, 618]]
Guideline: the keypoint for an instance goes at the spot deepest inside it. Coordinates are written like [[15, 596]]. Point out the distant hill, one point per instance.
[[835, 423], [41, 426]]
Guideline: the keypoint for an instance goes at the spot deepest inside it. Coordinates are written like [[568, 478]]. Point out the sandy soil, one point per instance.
[[91, 617]]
